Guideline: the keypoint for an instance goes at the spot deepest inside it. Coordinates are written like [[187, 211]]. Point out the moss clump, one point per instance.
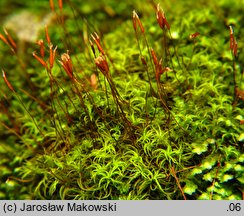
[[143, 113]]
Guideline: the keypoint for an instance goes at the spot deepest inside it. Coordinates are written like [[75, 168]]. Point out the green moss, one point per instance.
[[130, 135]]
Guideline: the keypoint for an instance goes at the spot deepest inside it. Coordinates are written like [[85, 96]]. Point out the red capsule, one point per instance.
[[194, 35], [51, 5], [96, 39], [47, 35], [7, 82], [41, 44], [162, 21], [136, 19], [67, 64], [60, 4], [102, 64], [43, 63]]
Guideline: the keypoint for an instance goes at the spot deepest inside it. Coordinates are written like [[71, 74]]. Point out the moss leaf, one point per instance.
[[241, 137], [190, 188], [208, 177], [226, 178], [241, 179], [199, 148], [196, 171]]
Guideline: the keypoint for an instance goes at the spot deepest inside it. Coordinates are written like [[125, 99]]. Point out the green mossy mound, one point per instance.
[[129, 135]]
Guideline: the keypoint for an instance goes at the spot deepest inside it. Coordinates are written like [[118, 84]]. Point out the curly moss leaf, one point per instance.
[[87, 144], [63, 191], [53, 187], [49, 161], [41, 188], [124, 188], [231, 151], [190, 188], [199, 148]]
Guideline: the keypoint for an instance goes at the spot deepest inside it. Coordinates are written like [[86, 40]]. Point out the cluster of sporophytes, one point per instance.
[[148, 111]]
